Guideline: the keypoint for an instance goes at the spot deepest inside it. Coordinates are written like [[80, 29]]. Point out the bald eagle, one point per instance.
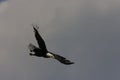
[[42, 51]]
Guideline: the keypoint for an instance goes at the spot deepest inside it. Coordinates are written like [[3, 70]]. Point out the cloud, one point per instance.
[[3, 6], [87, 32], [2, 1]]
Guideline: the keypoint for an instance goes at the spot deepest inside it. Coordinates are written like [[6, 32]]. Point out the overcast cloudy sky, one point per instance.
[[85, 31]]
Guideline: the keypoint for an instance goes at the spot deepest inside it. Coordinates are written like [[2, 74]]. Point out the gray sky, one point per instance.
[[84, 31]]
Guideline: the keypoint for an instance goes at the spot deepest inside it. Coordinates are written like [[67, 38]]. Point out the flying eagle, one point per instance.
[[42, 51]]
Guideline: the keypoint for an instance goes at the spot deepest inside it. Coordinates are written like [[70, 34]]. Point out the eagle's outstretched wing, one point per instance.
[[39, 39], [60, 58]]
